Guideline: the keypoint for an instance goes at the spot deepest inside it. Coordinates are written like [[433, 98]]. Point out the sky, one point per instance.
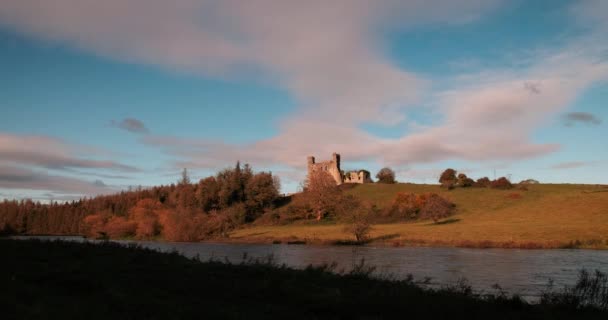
[[100, 96]]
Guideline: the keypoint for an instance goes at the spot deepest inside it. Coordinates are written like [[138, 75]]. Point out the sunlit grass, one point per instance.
[[546, 215]]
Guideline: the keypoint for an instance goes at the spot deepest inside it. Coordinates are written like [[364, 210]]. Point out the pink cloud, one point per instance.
[[12, 177], [51, 153]]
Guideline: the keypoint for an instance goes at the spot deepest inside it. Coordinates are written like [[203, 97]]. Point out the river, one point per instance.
[[525, 272]]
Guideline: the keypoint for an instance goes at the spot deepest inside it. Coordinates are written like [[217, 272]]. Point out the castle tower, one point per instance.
[[332, 167]]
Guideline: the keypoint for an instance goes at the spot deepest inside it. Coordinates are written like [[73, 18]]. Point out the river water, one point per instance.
[[525, 272]]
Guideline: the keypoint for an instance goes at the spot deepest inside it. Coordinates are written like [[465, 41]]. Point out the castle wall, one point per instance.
[[360, 176], [332, 167]]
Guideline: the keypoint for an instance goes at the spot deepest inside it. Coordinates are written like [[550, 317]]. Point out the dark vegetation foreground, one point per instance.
[[65, 280]]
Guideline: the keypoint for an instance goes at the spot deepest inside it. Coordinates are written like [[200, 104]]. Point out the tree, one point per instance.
[[260, 193], [185, 179], [358, 218], [501, 183], [386, 175], [207, 194], [448, 178], [483, 182], [322, 193], [464, 181]]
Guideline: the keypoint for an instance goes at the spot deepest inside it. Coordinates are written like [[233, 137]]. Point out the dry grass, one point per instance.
[[544, 216]]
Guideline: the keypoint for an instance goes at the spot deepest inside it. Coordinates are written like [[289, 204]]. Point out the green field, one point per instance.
[[544, 216]]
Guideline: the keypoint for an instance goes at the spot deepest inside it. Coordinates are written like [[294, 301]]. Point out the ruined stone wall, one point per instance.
[[361, 176], [332, 167]]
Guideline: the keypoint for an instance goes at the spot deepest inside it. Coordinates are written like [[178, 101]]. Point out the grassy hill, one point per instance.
[[544, 216]]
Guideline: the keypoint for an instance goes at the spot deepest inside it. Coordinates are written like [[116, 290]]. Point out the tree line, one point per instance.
[[183, 211]]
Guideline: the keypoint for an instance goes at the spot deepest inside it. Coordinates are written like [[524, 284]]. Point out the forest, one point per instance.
[[184, 211]]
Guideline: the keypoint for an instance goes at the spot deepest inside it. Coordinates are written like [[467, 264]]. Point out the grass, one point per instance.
[[69, 280], [544, 216]]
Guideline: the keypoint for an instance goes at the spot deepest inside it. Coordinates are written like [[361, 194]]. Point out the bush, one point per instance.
[[464, 181], [405, 206], [120, 227], [501, 183], [423, 206], [590, 291], [483, 182], [435, 207], [386, 175]]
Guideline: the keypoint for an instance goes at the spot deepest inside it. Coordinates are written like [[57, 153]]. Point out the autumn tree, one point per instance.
[[185, 178], [386, 175], [208, 194], [145, 214], [322, 193], [483, 182], [448, 178], [357, 216], [501, 183], [464, 181], [260, 193]]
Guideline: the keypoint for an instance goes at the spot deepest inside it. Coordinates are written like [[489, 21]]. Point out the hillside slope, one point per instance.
[[543, 216]]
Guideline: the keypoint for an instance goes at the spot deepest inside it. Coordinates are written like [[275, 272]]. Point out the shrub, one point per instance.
[[501, 183], [405, 206], [464, 181], [95, 224], [483, 182], [423, 206], [386, 175], [435, 207], [590, 291], [145, 215], [119, 227]]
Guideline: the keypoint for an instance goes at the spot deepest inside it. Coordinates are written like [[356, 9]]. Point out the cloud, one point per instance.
[[12, 177], [51, 153], [586, 118], [131, 125], [328, 57], [570, 165]]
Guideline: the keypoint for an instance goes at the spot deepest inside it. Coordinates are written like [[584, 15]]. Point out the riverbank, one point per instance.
[[95, 281], [544, 216]]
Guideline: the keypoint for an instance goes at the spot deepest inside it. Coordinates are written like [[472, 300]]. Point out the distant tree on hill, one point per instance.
[[386, 175], [483, 182], [185, 179], [464, 181], [448, 178], [501, 183]]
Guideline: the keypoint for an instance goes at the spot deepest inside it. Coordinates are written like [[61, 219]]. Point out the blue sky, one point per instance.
[[99, 96]]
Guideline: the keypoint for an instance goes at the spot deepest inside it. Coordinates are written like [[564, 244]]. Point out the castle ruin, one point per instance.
[[333, 168]]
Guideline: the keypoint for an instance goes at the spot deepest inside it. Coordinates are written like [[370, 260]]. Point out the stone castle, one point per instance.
[[333, 168]]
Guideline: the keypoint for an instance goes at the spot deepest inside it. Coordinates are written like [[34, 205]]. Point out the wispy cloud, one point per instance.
[[570, 165], [131, 125], [328, 56], [50, 164], [586, 118], [51, 153], [484, 116], [12, 177]]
